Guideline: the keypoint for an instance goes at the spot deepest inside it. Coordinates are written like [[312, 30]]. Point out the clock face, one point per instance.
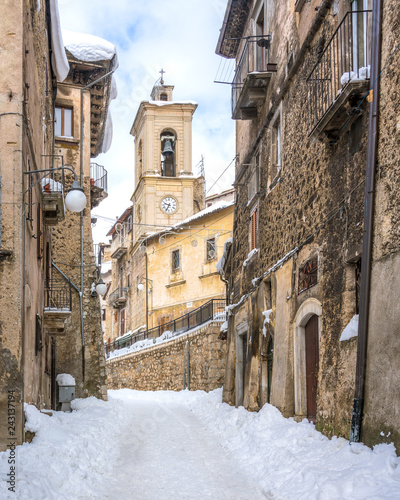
[[168, 205]]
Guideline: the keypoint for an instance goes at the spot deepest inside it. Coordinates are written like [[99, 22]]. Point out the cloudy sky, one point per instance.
[[179, 36]]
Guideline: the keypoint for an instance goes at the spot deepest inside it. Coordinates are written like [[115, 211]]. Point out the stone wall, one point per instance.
[[163, 366]]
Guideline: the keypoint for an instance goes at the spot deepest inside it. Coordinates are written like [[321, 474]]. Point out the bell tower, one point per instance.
[[166, 191]]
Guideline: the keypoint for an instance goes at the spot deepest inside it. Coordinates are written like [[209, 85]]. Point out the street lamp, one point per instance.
[[75, 200]]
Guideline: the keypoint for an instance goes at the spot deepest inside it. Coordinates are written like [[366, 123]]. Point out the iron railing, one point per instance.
[[57, 295], [98, 176], [254, 58], [118, 293], [214, 309], [345, 59]]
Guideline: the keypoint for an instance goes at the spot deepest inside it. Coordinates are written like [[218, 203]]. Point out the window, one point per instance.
[[276, 148], [253, 185], [38, 335], [176, 262], [63, 122], [308, 275], [253, 228], [211, 249], [122, 322], [103, 316], [163, 97]]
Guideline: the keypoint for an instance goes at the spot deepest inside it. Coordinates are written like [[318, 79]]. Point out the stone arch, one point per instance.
[[308, 309]]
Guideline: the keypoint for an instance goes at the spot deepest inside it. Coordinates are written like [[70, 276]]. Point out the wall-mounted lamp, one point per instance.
[[75, 200], [141, 285]]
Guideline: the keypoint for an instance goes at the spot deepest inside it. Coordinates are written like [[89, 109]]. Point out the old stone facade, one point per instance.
[[201, 354], [27, 89], [40, 251], [301, 105]]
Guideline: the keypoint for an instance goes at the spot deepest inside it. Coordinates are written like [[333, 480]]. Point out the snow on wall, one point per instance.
[[221, 263], [59, 59], [90, 48], [351, 329], [266, 315]]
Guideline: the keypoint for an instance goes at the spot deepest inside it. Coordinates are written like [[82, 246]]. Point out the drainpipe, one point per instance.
[[362, 340], [147, 293], [81, 222]]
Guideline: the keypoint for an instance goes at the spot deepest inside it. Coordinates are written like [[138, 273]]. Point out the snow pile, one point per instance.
[[51, 186], [168, 103], [355, 76], [292, 460], [59, 59], [266, 315], [351, 329], [250, 255], [89, 48], [221, 263], [69, 453], [65, 379]]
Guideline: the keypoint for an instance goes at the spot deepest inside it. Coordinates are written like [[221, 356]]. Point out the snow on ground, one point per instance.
[[188, 445]]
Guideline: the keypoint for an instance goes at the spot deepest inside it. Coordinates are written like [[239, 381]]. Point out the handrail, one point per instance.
[[254, 58], [98, 176], [213, 309], [345, 59]]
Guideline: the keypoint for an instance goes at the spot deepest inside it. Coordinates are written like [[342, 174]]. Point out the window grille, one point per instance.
[[175, 260], [308, 275], [211, 249]]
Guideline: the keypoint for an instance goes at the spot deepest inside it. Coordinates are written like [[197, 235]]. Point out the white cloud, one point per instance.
[[179, 36]]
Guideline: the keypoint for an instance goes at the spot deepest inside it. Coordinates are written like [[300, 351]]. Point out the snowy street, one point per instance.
[[188, 445]]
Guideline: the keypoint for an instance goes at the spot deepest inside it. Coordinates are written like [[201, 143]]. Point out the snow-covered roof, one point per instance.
[[167, 103], [216, 207], [89, 48]]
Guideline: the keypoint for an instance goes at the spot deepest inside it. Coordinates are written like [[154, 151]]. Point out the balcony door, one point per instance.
[[261, 51], [360, 38]]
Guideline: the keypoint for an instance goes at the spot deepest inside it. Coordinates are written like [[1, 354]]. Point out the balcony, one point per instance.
[[52, 201], [340, 79], [119, 246], [117, 298], [252, 77], [57, 306], [98, 184]]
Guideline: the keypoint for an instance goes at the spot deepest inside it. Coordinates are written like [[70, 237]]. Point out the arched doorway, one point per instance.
[[307, 331]]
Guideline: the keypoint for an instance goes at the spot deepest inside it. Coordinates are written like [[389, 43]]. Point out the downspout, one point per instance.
[[81, 221], [362, 340], [147, 293]]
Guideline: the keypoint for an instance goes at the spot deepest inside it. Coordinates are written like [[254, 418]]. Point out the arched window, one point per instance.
[[163, 97], [168, 156]]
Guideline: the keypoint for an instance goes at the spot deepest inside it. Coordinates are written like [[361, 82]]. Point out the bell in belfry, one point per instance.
[[168, 151]]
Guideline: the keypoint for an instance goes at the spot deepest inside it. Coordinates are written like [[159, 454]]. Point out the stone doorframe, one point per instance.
[[240, 331], [309, 308]]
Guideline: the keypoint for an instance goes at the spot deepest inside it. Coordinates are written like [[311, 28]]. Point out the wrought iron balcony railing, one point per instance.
[[253, 70], [98, 176], [117, 298], [214, 309], [57, 295], [341, 74]]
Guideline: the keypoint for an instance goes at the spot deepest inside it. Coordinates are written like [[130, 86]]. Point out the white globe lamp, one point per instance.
[[75, 200]]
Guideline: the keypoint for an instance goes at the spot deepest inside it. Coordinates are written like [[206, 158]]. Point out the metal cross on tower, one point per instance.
[[162, 76]]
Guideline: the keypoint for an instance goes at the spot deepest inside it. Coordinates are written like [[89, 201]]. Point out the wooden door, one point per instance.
[[122, 322], [270, 357], [312, 364]]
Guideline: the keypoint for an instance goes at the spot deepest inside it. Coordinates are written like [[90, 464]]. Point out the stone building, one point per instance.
[[166, 245], [297, 266], [35, 298]]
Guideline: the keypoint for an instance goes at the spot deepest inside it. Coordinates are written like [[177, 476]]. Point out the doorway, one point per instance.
[[241, 357], [312, 365]]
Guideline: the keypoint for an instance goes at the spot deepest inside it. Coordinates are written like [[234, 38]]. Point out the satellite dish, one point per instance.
[[143, 248], [162, 239], [211, 254], [193, 242], [118, 227]]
